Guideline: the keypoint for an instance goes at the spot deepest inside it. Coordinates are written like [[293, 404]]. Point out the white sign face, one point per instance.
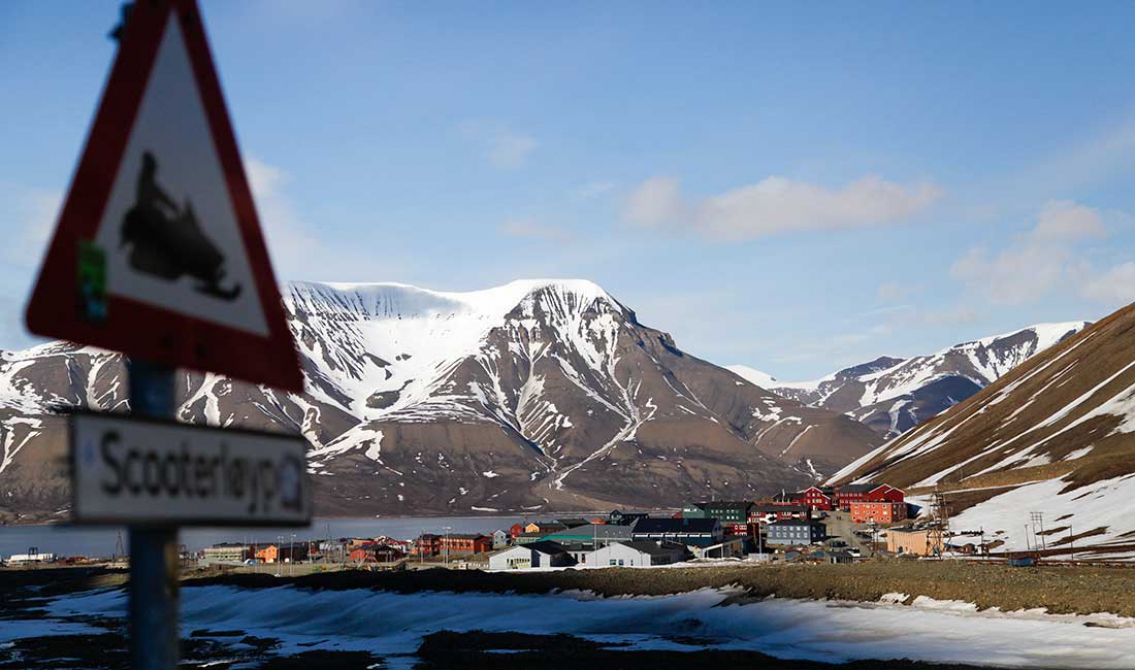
[[141, 471], [169, 230]]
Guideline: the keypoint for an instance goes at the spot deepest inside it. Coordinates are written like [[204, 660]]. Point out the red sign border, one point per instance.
[[158, 334]]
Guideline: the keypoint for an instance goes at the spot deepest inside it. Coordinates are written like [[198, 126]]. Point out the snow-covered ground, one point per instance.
[[392, 625]]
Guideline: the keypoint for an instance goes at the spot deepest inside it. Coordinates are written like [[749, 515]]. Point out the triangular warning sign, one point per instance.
[[158, 251]]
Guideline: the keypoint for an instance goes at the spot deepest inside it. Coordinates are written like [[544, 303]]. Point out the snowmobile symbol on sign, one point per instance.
[[167, 241]]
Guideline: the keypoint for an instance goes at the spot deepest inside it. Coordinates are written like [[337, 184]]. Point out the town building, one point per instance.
[[544, 554], [885, 493], [427, 544], [690, 532], [529, 538], [792, 532], [500, 539], [783, 498], [733, 515], [638, 553], [879, 512], [732, 546], [766, 514], [515, 530], [31, 557], [572, 522], [267, 553], [904, 541], [849, 493], [374, 553], [817, 498], [227, 552], [544, 527], [462, 544], [591, 535], [621, 518]]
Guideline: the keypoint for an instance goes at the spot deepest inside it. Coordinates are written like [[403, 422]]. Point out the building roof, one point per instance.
[[653, 548], [572, 522], [859, 488], [652, 526], [725, 504], [765, 509], [546, 547], [798, 522], [596, 531], [466, 536]]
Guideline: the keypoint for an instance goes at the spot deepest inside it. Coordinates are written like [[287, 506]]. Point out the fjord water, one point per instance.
[[100, 541]]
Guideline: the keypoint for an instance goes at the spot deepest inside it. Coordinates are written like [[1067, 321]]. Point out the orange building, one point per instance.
[[268, 554], [879, 512], [912, 543]]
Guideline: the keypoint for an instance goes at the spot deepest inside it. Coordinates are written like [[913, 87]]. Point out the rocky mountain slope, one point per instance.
[[1055, 435], [892, 395], [534, 395]]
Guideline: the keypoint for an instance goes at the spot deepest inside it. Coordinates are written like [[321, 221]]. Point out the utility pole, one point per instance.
[[1072, 541], [154, 637], [1038, 537], [939, 525]]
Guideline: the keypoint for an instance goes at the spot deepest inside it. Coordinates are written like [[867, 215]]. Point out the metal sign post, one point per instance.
[[154, 638]]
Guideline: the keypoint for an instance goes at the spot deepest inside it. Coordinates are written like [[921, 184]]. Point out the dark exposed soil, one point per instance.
[[476, 650]]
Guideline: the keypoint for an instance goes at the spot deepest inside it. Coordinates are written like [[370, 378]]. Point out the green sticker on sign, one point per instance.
[[92, 282]]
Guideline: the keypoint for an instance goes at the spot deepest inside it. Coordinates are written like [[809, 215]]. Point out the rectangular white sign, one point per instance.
[[144, 471]]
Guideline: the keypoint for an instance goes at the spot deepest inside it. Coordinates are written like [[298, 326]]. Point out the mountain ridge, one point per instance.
[[892, 395], [541, 394]]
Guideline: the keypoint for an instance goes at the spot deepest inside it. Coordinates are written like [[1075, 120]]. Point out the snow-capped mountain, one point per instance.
[[892, 395], [537, 394], [1055, 435]]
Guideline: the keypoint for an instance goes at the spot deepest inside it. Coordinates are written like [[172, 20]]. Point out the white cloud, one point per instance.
[[777, 205], [1115, 286], [503, 147], [1047, 257], [531, 228], [1063, 220]]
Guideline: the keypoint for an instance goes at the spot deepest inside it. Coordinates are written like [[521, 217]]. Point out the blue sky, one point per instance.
[[786, 186]]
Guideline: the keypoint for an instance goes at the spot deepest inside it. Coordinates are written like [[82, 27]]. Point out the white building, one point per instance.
[[533, 555], [638, 553], [20, 559]]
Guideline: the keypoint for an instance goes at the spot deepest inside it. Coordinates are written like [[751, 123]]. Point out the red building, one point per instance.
[[460, 544], [427, 545], [879, 512], [886, 493], [816, 498], [374, 553], [515, 530], [852, 493]]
